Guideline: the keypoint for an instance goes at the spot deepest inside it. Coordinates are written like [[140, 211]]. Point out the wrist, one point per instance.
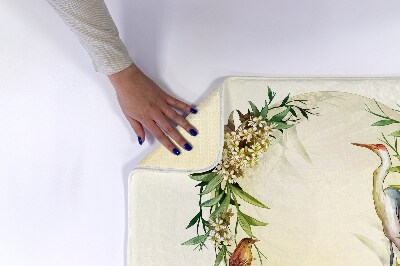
[[125, 75]]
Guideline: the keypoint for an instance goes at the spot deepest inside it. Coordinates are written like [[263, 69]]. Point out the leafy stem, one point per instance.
[[385, 121], [243, 145]]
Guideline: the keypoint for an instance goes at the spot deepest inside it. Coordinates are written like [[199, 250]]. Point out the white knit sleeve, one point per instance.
[[91, 21]]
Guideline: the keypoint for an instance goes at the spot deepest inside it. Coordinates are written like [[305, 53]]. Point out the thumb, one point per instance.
[[138, 128]]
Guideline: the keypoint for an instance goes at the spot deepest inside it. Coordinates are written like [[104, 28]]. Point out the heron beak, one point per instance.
[[368, 146]]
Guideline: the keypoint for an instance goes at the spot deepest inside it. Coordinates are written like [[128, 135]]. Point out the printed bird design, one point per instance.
[[242, 255], [387, 201]]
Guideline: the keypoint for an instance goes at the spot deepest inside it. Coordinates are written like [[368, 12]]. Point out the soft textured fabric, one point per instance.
[[91, 21], [323, 202], [208, 142]]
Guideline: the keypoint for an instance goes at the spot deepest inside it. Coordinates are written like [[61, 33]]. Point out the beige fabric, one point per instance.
[[317, 210], [208, 121], [91, 22]]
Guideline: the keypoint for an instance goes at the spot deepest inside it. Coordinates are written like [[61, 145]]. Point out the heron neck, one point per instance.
[[381, 172]]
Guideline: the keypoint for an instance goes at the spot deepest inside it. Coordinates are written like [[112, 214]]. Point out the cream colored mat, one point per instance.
[[316, 208]]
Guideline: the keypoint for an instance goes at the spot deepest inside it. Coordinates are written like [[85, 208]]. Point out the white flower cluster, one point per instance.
[[220, 232], [244, 147]]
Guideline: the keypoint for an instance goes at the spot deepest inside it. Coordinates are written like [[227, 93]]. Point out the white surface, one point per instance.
[[66, 150]]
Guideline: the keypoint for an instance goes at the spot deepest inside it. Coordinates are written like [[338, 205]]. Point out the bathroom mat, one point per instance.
[[284, 171]]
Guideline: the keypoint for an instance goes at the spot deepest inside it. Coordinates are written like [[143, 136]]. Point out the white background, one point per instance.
[[65, 148]]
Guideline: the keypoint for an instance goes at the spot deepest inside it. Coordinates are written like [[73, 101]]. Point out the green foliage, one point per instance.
[[220, 256], [205, 177], [281, 115], [248, 198], [252, 221], [256, 112], [395, 134], [271, 95], [244, 224], [196, 240], [285, 100], [194, 220], [212, 184], [386, 120], [212, 201], [223, 206]]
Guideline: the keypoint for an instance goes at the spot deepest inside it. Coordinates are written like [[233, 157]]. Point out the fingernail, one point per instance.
[[176, 152], [140, 140], [193, 132], [187, 147], [193, 110]]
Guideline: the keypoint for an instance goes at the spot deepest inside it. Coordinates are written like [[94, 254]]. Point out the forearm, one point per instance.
[[92, 23]]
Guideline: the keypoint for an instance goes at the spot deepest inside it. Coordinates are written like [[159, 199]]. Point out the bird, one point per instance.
[[386, 201], [242, 255]]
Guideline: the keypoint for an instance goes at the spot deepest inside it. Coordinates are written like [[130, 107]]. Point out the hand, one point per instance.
[[145, 104]]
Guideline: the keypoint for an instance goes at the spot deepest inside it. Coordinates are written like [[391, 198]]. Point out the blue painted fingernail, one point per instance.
[[176, 152], [193, 111], [140, 140], [193, 132], [187, 147]]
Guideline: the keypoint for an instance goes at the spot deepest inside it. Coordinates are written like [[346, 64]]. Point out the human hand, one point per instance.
[[145, 104]]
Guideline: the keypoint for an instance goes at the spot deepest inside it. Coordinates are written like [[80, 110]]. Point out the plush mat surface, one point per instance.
[[309, 199]]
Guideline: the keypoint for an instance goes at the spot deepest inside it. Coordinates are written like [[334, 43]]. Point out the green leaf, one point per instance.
[[304, 113], [195, 240], [253, 221], [213, 201], [293, 112], [255, 109], [202, 173], [384, 122], [278, 117], [201, 184], [397, 156], [204, 177], [394, 169], [224, 205], [213, 184], [281, 125], [194, 220], [285, 100], [244, 224], [248, 198], [264, 112], [220, 256], [271, 94], [395, 134], [233, 202]]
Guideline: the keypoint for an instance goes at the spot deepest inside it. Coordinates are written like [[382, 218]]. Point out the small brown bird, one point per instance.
[[242, 255]]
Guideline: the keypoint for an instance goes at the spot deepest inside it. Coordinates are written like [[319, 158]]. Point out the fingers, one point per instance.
[[178, 119], [138, 128], [161, 137], [180, 105], [163, 122]]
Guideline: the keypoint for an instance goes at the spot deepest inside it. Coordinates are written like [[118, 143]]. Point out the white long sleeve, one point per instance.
[[91, 21]]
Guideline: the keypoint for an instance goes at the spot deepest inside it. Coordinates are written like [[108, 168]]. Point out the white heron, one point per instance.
[[386, 201]]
